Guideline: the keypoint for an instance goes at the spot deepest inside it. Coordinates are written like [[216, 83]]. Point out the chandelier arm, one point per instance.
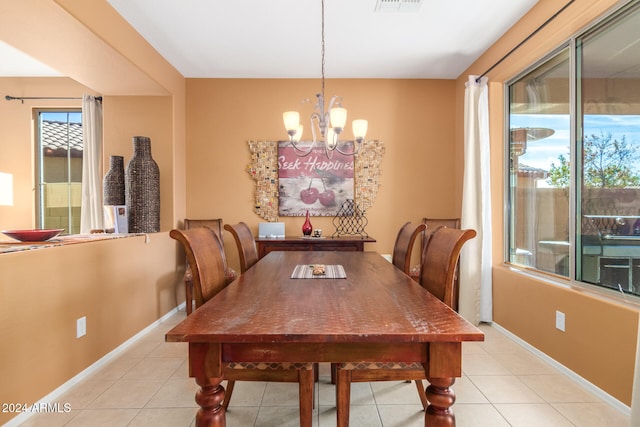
[[299, 152], [328, 152], [336, 101], [320, 126], [356, 148]]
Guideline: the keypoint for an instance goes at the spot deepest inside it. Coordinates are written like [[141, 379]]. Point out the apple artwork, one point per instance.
[[327, 198]]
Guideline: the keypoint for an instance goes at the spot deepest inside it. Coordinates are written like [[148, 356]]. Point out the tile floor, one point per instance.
[[503, 385]]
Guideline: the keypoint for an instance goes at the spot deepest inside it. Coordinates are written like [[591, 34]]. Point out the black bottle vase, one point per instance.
[[143, 188], [113, 183]]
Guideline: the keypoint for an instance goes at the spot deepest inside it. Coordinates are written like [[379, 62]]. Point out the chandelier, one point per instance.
[[330, 122]]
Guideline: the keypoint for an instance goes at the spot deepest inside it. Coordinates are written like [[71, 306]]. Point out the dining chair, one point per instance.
[[403, 246], [205, 253], [216, 225], [205, 256], [432, 224], [439, 264], [246, 244]]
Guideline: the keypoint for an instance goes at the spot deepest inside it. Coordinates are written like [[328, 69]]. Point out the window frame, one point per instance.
[[38, 172], [574, 276]]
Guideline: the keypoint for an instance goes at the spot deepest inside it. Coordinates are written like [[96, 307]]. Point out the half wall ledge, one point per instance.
[[9, 246]]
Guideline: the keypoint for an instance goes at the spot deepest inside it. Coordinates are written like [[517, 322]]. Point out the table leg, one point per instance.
[[441, 398], [343, 396], [210, 398]]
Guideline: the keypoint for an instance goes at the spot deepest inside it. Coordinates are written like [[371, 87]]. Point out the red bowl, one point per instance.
[[33, 235]]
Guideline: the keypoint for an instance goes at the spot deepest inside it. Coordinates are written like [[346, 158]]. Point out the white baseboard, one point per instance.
[[626, 410], [51, 397]]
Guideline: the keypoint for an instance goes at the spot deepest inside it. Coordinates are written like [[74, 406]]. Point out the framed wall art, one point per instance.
[[288, 185], [315, 182]]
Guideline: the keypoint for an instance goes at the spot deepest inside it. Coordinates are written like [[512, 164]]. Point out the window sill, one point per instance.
[[10, 246], [587, 289]]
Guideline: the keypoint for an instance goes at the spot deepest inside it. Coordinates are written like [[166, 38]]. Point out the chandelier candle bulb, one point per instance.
[[359, 127], [338, 119], [291, 121]]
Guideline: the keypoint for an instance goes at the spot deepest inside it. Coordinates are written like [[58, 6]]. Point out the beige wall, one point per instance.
[[203, 157], [414, 118], [121, 285], [129, 116], [17, 147], [601, 331], [124, 117]]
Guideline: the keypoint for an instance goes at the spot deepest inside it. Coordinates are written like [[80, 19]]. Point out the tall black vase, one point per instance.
[[113, 183], [143, 188]]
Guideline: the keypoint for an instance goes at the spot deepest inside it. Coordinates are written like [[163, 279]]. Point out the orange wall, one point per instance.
[[17, 147], [414, 118], [120, 285], [129, 116], [601, 330], [124, 117], [205, 158]]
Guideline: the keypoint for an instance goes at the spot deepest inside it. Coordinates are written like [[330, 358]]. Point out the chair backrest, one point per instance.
[[403, 246], [440, 261], [434, 223], [215, 224], [246, 244], [208, 264]]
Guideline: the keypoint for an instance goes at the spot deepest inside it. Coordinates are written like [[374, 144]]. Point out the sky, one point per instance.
[[543, 152], [62, 117]]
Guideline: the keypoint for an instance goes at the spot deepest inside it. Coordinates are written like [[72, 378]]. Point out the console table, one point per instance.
[[295, 243]]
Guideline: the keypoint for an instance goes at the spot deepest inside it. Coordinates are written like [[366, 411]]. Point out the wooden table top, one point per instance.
[[375, 303]]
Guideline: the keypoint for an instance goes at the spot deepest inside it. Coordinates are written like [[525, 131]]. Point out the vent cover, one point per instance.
[[407, 6]]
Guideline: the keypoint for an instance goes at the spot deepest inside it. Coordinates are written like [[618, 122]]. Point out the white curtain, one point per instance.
[[475, 303], [91, 214]]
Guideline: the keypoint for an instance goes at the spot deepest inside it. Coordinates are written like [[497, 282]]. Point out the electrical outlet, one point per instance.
[[81, 327], [560, 320]]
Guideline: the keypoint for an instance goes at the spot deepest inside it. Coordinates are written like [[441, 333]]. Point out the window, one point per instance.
[[59, 169], [574, 159]]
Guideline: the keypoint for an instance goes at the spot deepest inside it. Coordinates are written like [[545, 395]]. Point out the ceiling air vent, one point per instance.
[[408, 6]]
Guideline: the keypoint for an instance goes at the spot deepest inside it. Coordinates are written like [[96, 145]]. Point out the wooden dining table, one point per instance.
[[375, 313]]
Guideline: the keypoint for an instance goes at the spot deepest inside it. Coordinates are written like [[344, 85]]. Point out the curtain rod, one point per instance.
[[22, 98], [524, 41]]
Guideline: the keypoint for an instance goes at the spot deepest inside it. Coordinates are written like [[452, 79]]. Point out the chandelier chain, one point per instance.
[[322, 48]]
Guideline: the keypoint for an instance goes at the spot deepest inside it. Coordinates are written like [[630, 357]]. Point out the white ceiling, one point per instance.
[[16, 63], [282, 38]]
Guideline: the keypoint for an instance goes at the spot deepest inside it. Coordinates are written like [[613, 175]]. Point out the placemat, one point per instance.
[[305, 271]]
